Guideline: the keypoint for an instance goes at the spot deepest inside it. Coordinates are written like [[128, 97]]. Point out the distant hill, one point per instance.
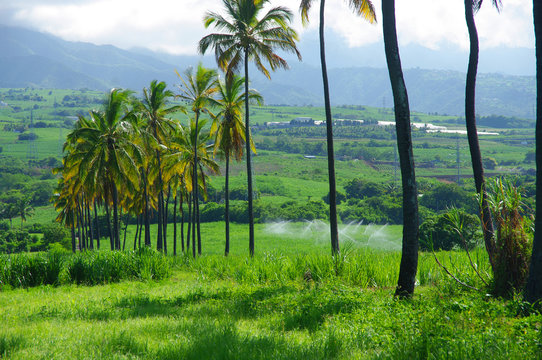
[[30, 58]]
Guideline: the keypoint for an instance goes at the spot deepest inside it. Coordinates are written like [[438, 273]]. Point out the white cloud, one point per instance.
[[176, 25]]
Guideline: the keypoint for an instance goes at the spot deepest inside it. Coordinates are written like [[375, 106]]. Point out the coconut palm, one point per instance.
[[197, 90], [106, 154], [180, 162], [533, 289], [365, 9], [409, 256], [155, 109], [472, 6], [230, 134], [247, 37]]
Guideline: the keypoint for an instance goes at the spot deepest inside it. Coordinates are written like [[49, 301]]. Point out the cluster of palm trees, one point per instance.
[[132, 156], [125, 155]]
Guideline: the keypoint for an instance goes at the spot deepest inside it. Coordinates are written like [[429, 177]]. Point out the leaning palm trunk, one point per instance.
[[330, 152], [472, 134], [249, 165], [533, 289], [409, 256]]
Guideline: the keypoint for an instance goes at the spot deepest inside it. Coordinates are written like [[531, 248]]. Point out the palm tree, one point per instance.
[[180, 161], [197, 89], [248, 37], [230, 134], [409, 256], [533, 289], [106, 154], [365, 9], [471, 6], [24, 208], [155, 109]]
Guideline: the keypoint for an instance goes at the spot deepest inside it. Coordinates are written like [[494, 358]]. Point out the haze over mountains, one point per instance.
[[30, 58]]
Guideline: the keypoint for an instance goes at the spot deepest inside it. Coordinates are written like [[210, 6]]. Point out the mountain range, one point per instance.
[[30, 58]]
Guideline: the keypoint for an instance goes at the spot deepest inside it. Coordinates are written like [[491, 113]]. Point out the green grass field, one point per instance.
[[266, 308]]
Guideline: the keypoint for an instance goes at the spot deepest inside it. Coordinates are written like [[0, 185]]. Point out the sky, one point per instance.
[[175, 26]]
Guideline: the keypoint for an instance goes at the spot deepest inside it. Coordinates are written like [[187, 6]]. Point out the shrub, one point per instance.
[[439, 232], [513, 237]]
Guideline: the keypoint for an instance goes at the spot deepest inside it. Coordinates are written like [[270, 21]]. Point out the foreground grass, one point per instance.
[[206, 310]]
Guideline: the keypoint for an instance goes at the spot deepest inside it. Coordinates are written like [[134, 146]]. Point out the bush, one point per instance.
[[360, 189], [14, 241], [445, 196], [514, 237], [441, 232]]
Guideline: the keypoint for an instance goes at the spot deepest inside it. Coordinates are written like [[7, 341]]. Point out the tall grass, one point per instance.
[[89, 268], [363, 267]]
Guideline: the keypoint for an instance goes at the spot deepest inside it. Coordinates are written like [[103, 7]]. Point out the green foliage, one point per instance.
[[101, 267], [445, 196], [56, 233], [14, 241], [25, 270], [360, 189], [514, 237], [441, 232]]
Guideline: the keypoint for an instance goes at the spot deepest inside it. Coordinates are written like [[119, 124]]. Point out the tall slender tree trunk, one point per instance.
[[181, 210], [195, 186], [138, 218], [166, 218], [91, 230], [73, 232], [194, 227], [115, 216], [409, 256], [227, 204], [175, 224], [146, 215], [472, 134], [533, 288], [198, 224], [125, 231], [329, 134], [249, 164], [108, 214], [97, 225], [189, 221], [79, 228]]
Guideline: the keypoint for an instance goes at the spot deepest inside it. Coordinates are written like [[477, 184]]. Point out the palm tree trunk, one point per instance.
[[138, 218], [409, 256], [330, 152], [166, 218], [249, 164], [195, 186], [533, 288], [115, 216], [189, 222], [175, 224], [146, 211], [81, 225], [198, 223], [181, 210], [472, 134], [73, 232], [108, 213], [96, 224], [227, 204], [91, 230], [79, 228], [194, 227]]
